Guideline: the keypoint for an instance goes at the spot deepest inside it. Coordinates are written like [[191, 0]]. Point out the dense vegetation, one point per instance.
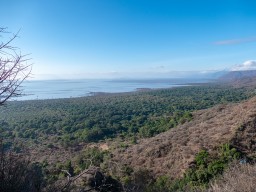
[[87, 119], [207, 166], [68, 122]]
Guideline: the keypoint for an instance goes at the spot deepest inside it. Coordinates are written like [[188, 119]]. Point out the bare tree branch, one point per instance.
[[14, 68]]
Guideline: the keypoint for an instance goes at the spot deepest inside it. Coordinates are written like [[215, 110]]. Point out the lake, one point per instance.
[[52, 89]]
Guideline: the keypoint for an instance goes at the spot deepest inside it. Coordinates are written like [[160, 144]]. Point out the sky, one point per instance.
[[132, 38]]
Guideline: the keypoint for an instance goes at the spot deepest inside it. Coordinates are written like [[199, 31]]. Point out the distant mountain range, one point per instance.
[[223, 75], [238, 75], [243, 78]]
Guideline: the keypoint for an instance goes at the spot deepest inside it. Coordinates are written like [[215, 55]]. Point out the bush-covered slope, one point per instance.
[[172, 152], [62, 133]]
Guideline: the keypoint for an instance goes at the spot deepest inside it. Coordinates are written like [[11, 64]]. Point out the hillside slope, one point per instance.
[[173, 151]]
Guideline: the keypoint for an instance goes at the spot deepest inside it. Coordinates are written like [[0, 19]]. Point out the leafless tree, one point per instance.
[[96, 181], [14, 67]]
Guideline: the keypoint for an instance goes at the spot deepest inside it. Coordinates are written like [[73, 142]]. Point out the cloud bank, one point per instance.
[[235, 41], [247, 65]]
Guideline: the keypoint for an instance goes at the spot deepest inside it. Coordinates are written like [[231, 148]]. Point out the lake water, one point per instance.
[[52, 89]]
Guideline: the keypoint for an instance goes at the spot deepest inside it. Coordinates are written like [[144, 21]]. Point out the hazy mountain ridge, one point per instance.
[[238, 75]]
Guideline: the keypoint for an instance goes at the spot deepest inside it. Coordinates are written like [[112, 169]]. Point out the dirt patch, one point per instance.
[[104, 147]]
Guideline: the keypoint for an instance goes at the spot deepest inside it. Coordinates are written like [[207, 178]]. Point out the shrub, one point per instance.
[[17, 174], [207, 167]]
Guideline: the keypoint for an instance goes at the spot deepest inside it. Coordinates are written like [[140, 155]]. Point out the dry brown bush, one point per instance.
[[208, 129], [236, 179]]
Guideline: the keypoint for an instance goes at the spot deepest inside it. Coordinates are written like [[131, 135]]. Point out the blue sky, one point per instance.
[[131, 38]]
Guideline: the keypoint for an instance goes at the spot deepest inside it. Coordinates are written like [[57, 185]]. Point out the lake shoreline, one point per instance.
[[43, 90]]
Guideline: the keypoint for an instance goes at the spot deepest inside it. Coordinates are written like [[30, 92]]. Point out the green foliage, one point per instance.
[[158, 125], [162, 184], [91, 119], [201, 158], [134, 139], [207, 167], [92, 156], [127, 170], [68, 166]]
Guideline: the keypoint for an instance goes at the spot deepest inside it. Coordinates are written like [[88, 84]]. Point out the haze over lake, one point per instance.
[[53, 89]]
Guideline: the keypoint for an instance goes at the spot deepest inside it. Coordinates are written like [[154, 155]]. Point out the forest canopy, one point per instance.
[[95, 118]]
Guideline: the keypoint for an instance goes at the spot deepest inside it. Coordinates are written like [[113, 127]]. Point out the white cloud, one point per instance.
[[247, 65]]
